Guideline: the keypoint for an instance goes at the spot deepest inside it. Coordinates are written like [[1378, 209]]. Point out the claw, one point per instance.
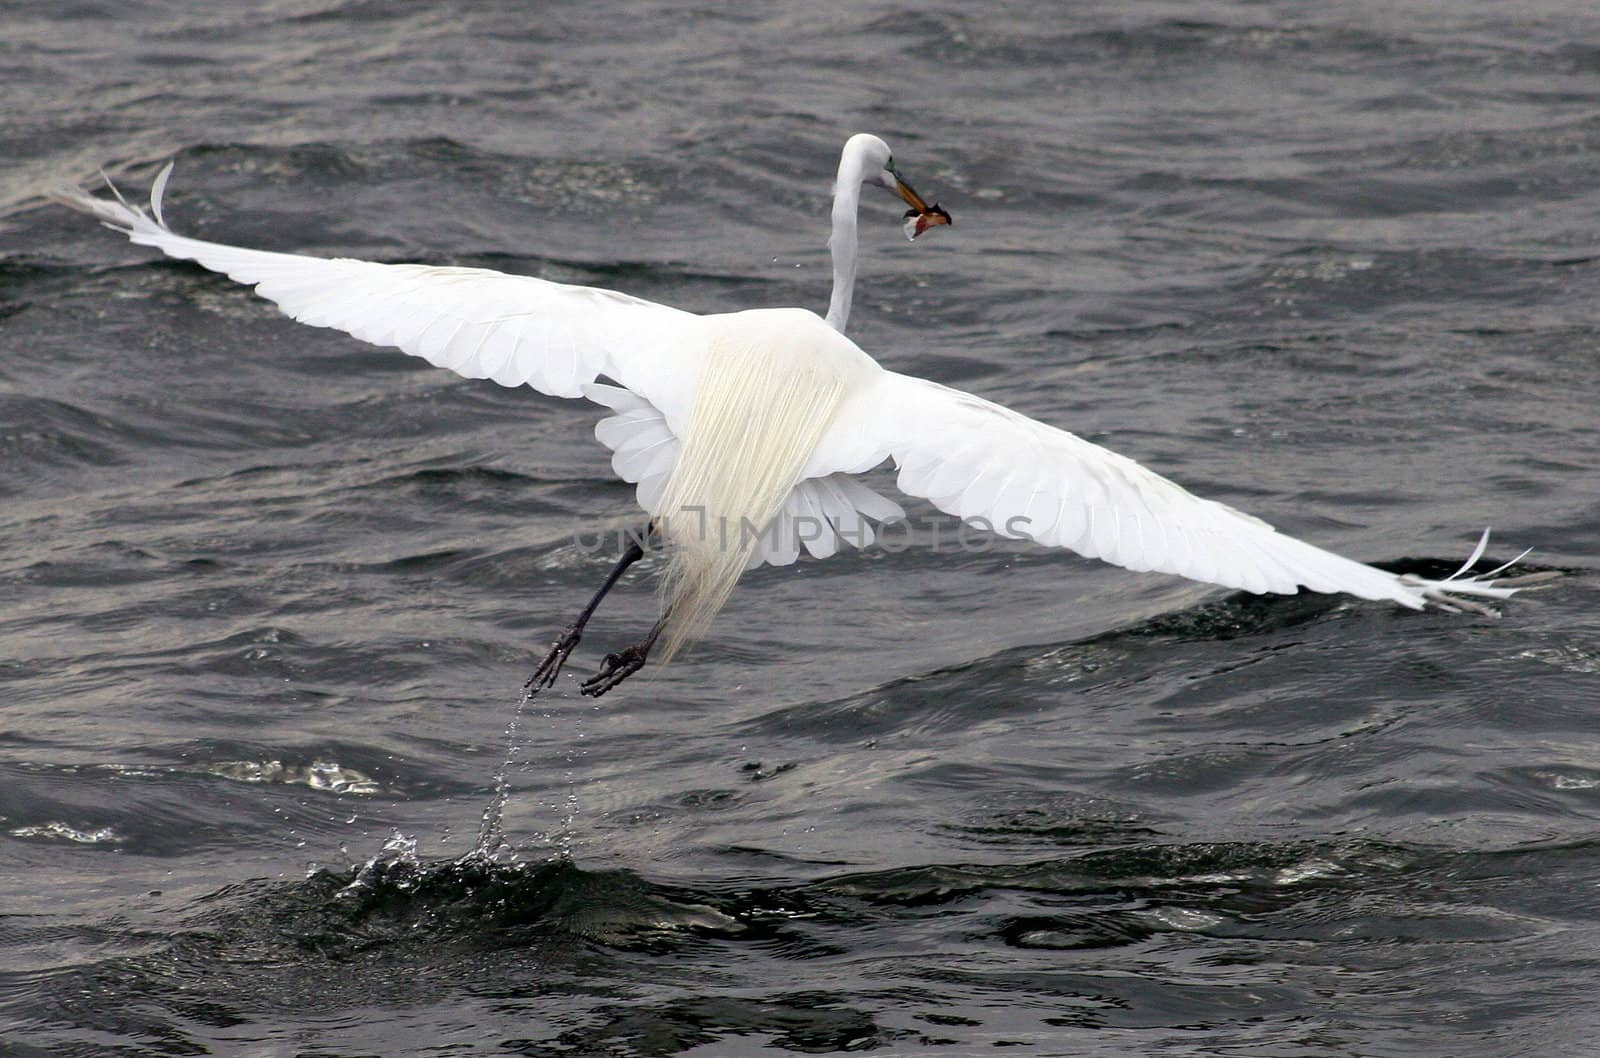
[[616, 668], [545, 675]]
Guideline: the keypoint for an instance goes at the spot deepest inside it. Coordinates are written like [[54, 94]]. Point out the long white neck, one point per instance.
[[864, 157], [842, 244]]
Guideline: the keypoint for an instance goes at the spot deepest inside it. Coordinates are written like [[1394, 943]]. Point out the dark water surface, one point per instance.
[[267, 595]]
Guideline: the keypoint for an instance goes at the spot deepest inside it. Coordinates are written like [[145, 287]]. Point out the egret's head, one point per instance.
[[874, 163]]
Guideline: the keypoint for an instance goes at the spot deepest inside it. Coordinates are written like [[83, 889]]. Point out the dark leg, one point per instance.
[[619, 666], [545, 675]]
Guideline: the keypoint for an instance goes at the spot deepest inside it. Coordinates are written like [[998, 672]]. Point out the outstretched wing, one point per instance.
[[978, 460], [516, 330], [519, 330]]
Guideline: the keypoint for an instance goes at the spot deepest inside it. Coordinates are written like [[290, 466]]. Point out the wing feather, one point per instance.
[[515, 330], [978, 460]]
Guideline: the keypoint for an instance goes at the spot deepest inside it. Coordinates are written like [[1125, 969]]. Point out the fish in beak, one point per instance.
[[921, 216]]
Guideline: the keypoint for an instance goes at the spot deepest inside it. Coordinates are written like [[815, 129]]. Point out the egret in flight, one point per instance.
[[745, 431]]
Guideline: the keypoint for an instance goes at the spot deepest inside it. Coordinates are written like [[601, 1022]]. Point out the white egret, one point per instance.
[[744, 431]]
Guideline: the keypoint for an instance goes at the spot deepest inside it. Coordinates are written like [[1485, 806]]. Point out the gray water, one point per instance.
[[268, 596]]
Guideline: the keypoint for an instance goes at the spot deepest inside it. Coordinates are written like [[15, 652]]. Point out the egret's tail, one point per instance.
[[760, 410]]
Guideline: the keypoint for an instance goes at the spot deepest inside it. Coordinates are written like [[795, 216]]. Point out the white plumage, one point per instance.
[[767, 414]]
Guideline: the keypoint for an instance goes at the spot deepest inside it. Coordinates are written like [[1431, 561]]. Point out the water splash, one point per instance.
[[395, 864], [56, 831], [570, 807], [491, 837], [328, 776]]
